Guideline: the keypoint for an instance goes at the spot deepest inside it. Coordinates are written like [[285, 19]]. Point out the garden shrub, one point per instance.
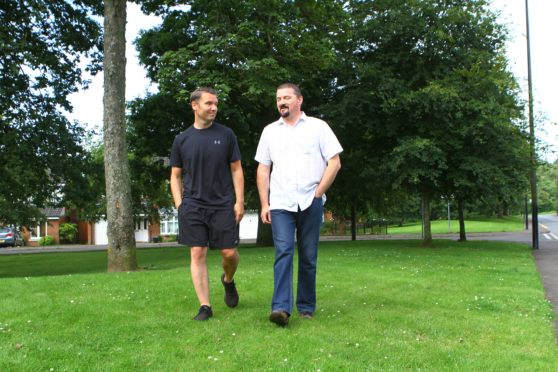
[[171, 238], [46, 240], [68, 233]]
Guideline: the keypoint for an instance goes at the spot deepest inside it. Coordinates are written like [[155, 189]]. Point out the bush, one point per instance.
[[68, 233], [170, 238], [46, 240]]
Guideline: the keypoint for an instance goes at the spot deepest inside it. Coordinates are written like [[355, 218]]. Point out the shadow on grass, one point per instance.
[[52, 264]]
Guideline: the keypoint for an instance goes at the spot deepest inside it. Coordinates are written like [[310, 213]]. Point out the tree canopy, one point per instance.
[[44, 49], [242, 48], [417, 91]]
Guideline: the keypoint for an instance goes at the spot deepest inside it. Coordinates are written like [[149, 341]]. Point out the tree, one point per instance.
[[244, 49], [393, 78], [403, 97], [547, 180], [120, 228], [150, 146], [44, 47]]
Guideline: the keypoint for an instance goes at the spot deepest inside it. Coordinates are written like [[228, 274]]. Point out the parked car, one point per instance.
[[10, 237]]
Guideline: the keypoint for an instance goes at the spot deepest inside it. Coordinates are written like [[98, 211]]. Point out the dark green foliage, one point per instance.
[[46, 240], [244, 49], [43, 49], [547, 181], [68, 233], [418, 93], [427, 105]]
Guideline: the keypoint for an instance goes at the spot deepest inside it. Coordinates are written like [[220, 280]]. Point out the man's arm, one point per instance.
[[238, 183], [333, 166], [262, 179], [176, 185]]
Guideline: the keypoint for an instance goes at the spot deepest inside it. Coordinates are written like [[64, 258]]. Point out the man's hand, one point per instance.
[[238, 212], [266, 215]]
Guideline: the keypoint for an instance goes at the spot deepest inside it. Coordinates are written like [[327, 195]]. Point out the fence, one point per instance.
[[343, 227]]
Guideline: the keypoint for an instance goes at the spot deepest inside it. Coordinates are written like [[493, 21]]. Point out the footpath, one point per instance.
[[516, 236], [546, 257]]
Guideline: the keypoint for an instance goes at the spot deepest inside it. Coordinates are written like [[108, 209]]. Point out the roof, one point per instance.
[[53, 212]]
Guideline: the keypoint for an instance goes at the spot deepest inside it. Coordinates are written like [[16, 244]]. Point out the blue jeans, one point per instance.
[[306, 224]]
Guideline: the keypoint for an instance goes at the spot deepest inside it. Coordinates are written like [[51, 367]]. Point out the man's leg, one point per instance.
[[283, 229], [308, 236], [200, 277], [230, 263]]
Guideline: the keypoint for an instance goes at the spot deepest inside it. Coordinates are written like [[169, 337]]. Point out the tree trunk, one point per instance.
[[462, 235], [500, 211], [353, 222], [427, 238], [120, 218], [265, 236]]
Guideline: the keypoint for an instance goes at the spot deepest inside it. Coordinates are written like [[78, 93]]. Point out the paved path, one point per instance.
[[546, 258]]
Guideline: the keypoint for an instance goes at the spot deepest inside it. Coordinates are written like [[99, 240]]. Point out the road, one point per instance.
[[546, 258]]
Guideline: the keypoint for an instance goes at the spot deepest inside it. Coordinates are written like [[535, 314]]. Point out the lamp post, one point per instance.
[[533, 173]]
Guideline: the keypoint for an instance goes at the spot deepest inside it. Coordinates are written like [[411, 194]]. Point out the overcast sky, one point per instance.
[[543, 29], [88, 104]]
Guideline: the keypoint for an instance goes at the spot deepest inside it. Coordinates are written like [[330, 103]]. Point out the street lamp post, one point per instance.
[[533, 173]]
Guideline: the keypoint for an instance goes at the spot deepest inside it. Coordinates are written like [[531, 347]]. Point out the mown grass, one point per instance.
[[382, 305], [473, 225]]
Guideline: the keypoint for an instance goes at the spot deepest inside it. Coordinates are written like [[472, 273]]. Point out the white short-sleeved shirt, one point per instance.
[[299, 156]]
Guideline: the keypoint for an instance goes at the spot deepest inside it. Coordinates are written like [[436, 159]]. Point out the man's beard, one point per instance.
[[284, 114]]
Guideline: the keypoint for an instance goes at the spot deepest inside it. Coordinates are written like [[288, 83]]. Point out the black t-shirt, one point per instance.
[[205, 156]]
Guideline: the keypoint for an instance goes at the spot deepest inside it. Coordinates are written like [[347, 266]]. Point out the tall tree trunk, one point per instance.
[[120, 217], [353, 221], [462, 235], [427, 238], [264, 236]]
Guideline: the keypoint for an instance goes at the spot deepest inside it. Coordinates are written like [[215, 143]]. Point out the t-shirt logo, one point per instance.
[[217, 142]]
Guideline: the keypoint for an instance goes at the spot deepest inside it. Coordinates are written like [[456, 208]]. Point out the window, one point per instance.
[[169, 226], [36, 231]]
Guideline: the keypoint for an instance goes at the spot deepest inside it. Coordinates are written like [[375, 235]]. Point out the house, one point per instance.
[[146, 231], [95, 233], [55, 217]]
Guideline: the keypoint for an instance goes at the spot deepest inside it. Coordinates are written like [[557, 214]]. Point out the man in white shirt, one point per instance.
[[304, 155]]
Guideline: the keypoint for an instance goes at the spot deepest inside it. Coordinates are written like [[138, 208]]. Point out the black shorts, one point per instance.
[[203, 227]]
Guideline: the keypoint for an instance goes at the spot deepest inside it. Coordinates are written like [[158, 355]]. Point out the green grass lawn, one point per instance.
[[382, 305], [477, 225]]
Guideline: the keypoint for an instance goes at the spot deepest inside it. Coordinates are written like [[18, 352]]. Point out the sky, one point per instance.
[[88, 104], [543, 27]]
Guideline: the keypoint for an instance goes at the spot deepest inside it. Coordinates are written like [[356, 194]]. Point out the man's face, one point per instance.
[[205, 108], [287, 102]]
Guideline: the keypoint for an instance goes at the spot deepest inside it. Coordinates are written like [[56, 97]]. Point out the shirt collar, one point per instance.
[[300, 120]]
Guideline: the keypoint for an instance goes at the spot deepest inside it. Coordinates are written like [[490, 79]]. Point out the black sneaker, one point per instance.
[[231, 295], [280, 318], [205, 313]]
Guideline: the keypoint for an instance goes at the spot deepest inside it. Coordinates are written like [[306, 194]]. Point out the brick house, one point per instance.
[[55, 217]]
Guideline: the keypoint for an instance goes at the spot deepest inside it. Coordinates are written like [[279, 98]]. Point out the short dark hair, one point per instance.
[[196, 94], [294, 87]]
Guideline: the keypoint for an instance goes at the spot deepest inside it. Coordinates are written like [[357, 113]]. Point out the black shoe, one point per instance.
[[205, 313], [280, 318], [307, 315], [231, 295]]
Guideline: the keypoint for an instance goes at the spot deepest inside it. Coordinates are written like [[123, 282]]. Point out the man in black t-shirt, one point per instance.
[[210, 196]]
